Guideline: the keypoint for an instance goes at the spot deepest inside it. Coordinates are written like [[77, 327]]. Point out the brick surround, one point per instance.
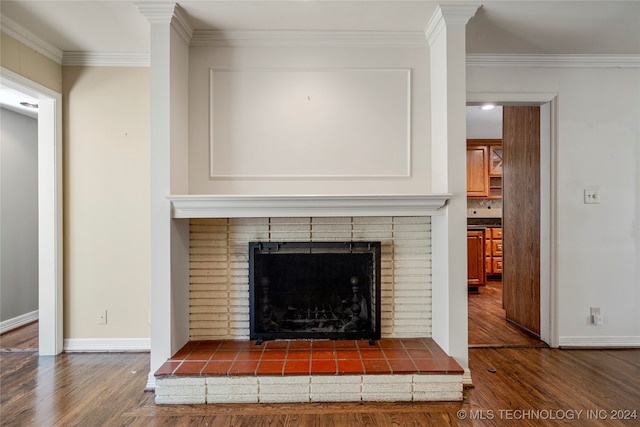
[[219, 316], [219, 283]]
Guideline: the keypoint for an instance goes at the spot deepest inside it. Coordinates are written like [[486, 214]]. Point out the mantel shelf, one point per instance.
[[218, 206]]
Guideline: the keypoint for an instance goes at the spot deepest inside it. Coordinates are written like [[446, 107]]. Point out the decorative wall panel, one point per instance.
[[310, 123]]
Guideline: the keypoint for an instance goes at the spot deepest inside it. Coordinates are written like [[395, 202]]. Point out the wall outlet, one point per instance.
[[591, 196], [594, 316], [102, 317]]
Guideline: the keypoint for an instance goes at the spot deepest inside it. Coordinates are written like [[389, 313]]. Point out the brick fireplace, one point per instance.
[[292, 172], [219, 268], [221, 364]]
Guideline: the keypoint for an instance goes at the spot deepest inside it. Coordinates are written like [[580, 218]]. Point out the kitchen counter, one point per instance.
[[483, 222], [476, 227]]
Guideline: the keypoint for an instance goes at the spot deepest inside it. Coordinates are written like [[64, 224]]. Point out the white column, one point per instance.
[[50, 266], [446, 36], [170, 33]]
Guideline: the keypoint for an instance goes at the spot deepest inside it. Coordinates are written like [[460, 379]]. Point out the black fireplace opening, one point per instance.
[[314, 290]]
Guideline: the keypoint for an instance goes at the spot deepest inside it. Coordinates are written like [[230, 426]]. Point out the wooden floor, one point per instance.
[[25, 339], [488, 326], [513, 386]]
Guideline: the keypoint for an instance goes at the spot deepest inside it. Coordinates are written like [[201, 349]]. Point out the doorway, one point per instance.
[[486, 309], [50, 334]]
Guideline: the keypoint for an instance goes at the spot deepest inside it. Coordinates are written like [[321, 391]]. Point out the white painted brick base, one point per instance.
[[181, 390], [315, 388], [332, 388], [219, 269]]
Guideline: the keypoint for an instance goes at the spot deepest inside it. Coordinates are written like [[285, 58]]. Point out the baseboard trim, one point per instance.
[[151, 382], [18, 321], [599, 342], [106, 345], [466, 378]]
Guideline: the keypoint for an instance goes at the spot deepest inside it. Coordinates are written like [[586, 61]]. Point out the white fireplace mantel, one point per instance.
[[236, 206]]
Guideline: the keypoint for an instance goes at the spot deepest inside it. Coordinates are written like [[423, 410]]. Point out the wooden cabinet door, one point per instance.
[[496, 247], [495, 160], [496, 233], [496, 265], [495, 171], [477, 171], [475, 258], [488, 269]]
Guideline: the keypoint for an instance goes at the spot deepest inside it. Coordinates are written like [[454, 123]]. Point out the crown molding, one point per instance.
[[296, 38], [473, 60], [553, 61], [18, 32], [182, 24], [448, 14], [157, 12], [167, 13], [97, 59]]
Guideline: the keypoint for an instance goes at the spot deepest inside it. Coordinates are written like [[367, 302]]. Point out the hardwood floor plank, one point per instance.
[[488, 326], [540, 378], [107, 390], [22, 339]]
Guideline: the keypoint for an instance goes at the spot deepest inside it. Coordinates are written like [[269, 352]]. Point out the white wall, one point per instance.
[[307, 114], [19, 214], [598, 147], [106, 206]]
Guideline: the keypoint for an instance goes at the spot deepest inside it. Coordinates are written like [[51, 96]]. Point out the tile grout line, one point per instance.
[[440, 365]]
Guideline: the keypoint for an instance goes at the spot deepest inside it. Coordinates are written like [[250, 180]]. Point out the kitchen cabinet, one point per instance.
[[493, 250], [484, 168], [495, 171], [495, 160], [477, 171], [476, 275]]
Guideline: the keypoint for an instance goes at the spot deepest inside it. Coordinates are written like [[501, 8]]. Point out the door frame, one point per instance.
[[548, 101], [50, 251]]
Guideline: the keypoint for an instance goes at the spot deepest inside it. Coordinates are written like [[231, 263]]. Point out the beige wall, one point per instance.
[[106, 201], [23, 60]]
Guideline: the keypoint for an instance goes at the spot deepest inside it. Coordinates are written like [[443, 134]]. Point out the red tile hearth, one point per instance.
[[309, 357]]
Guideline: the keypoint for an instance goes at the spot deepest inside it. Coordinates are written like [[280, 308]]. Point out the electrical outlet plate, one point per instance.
[[102, 317], [591, 196]]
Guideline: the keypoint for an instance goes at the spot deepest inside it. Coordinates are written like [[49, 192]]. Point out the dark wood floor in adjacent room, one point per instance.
[[488, 326], [98, 389], [24, 339]]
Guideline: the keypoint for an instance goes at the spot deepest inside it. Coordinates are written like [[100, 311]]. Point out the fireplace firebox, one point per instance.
[[314, 290]]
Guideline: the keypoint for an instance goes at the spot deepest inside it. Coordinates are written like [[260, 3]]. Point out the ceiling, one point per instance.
[[515, 26]]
